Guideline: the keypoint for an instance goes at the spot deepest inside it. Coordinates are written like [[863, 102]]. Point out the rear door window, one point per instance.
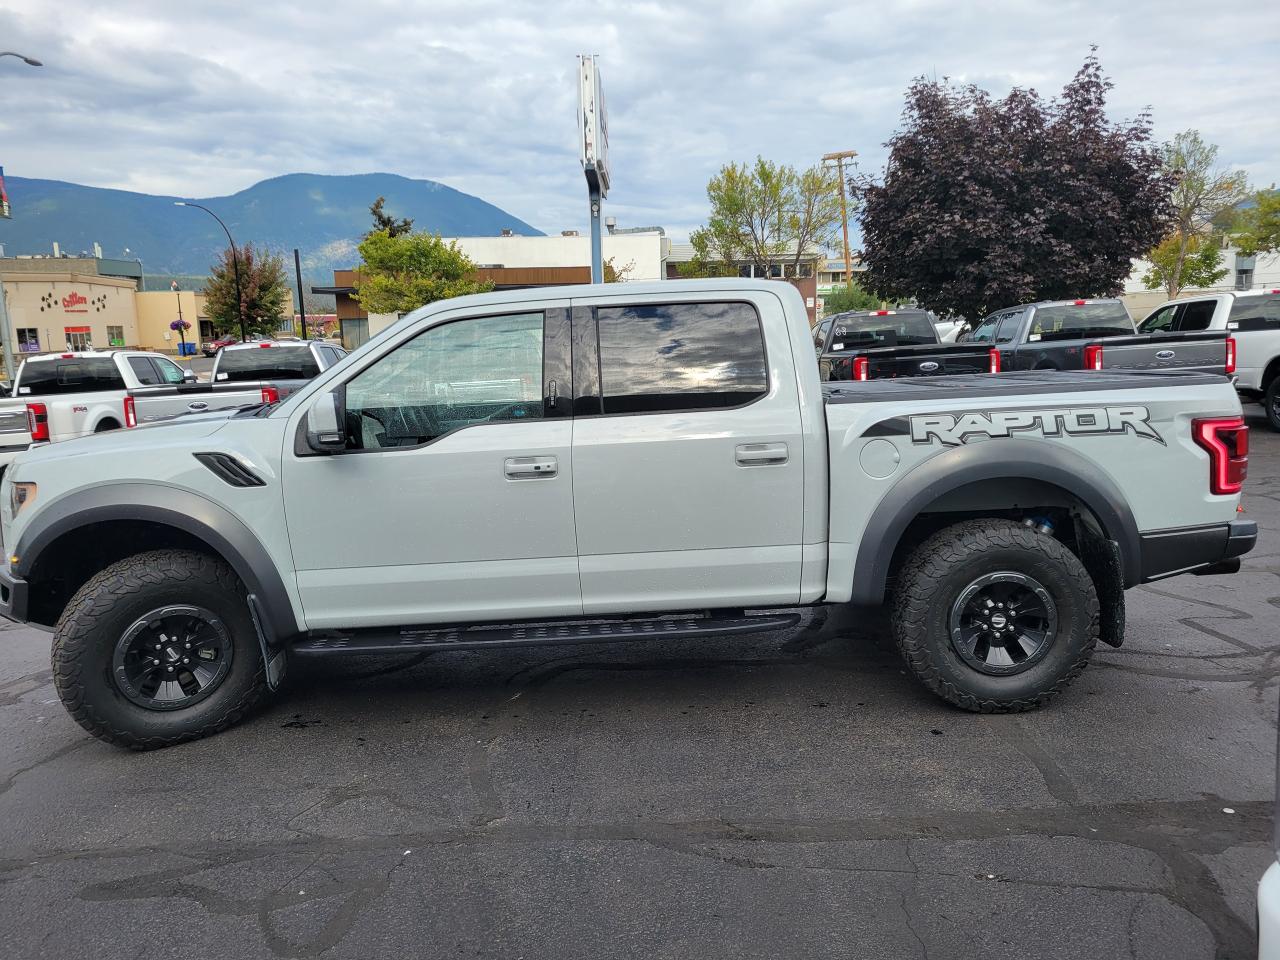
[[985, 331], [680, 356], [1256, 313], [145, 371], [77, 375], [1197, 315], [1008, 328]]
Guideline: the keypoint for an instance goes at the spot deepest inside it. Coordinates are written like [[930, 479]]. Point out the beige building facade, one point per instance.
[[49, 312]]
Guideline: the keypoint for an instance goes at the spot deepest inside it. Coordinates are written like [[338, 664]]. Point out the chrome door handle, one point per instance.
[[760, 454], [531, 468]]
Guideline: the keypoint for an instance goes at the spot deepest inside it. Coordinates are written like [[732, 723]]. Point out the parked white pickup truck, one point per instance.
[[613, 462], [87, 388], [1253, 319]]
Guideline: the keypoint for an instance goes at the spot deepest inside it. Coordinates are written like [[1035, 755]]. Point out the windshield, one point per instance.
[[894, 329], [273, 362], [1071, 321]]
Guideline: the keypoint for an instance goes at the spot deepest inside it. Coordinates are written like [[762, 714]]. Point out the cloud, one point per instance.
[[204, 98]]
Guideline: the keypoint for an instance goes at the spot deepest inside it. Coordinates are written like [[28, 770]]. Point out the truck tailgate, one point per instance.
[[1195, 352], [923, 360]]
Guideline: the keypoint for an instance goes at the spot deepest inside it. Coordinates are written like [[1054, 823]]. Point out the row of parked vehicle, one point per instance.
[[63, 396], [1234, 334]]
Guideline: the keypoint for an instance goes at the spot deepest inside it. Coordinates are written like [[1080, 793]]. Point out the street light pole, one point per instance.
[[235, 262], [5, 343], [29, 61], [840, 158]]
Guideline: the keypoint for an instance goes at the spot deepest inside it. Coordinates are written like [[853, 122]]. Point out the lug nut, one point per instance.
[[171, 669], [186, 659]]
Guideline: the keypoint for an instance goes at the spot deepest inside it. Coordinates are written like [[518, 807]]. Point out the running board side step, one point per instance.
[[377, 640]]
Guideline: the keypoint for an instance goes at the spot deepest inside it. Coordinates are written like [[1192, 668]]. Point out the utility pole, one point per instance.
[[302, 311], [5, 341], [839, 158]]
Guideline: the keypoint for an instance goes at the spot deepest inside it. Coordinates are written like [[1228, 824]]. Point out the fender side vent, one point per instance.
[[230, 469]]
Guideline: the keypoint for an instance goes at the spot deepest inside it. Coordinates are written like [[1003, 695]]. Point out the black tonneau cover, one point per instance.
[[978, 387]]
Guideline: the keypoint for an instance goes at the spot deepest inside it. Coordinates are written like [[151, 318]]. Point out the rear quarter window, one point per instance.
[[1069, 321], [266, 363], [78, 375]]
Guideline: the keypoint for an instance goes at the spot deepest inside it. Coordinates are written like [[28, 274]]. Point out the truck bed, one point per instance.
[[974, 388]]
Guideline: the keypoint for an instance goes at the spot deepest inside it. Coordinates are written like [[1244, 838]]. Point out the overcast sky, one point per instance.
[[203, 99]]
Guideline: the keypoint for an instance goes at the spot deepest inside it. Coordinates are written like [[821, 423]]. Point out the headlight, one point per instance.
[[20, 494]]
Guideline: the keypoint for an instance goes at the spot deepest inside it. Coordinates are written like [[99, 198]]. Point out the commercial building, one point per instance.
[[802, 275], [1260, 272]]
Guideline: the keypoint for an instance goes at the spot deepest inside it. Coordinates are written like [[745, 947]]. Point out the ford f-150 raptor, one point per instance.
[[612, 462]]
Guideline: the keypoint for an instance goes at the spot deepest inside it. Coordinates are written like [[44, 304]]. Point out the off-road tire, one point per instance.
[[940, 568], [102, 610], [1271, 402]]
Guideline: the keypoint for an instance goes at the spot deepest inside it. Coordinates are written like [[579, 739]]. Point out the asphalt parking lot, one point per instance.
[[782, 796]]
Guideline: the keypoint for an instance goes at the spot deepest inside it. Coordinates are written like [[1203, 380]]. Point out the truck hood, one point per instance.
[[178, 432]]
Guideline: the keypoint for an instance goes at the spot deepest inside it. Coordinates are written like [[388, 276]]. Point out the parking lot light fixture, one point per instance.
[[29, 61], [235, 261]]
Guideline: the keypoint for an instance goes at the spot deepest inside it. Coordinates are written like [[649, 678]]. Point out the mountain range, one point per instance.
[[323, 216]]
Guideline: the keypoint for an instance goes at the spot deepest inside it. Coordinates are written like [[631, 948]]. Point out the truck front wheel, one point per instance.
[[1271, 402], [157, 649], [994, 616]]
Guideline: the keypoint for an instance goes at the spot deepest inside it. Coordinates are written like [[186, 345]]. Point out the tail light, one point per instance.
[[264, 345], [270, 395], [861, 368], [130, 413], [38, 422], [1227, 443], [1231, 354], [1078, 303], [994, 366], [1093, 356]]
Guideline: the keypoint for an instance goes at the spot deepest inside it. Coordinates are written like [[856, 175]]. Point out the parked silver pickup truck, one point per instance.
[[604, 463], [1252, 319]]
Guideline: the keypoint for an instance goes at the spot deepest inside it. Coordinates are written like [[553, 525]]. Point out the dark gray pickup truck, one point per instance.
[[1094, 334], [888, 344]]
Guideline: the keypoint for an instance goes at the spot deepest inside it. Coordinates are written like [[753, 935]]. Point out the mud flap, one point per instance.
[[275, 664], [1102, 559]]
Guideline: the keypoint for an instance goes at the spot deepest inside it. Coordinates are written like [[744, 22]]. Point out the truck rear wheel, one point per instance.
[[157, 649], [994, 616], [1271, 402]]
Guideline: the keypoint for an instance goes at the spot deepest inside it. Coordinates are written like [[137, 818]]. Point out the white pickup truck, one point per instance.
[[604, 463], [1252, 317], [86, 388]]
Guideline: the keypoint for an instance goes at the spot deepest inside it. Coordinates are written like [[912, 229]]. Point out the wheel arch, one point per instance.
[[186, 518], [1012, 460]]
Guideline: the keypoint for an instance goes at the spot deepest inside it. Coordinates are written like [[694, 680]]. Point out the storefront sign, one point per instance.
[[75, 303]]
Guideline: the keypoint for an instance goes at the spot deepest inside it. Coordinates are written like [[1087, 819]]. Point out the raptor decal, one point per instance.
[[953, 429]]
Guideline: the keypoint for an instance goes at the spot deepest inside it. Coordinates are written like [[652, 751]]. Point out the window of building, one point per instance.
[[744, 270], [681, 356], [28, 340], [1244, 278], [115, 336], [481, 370]]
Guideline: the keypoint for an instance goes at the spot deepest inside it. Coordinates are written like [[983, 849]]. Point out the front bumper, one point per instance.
[[13, 596], [1214, 548]]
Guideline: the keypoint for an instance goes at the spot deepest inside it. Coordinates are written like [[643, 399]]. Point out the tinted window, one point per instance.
[[894, 329], [820, 334], [1161, 320], [1197, 315], [274, 362], [985, 331], [483, 370], [81, 375], [682, 356], [1256, 313], [1071, 321], [1008, 328], [144, 371]]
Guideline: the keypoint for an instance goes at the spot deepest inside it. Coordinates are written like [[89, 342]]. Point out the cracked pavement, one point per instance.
[[792, 795]]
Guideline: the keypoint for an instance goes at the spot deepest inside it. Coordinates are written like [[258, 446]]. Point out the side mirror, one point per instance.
[[188, 375], [326, 423]]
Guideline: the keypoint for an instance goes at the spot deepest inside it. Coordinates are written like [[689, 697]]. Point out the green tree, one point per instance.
[[763, 214], [405, 272], [384, 221], [852, 297], [1259, 225], [618, 274], [1204, 194], [263, 285], [1179, 263]]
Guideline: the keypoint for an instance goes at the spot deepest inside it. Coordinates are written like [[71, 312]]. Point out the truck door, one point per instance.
[[453, 499], [687, 457]]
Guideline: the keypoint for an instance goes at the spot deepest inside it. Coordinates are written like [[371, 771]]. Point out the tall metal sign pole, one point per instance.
[[302, 310], [5, 345], [593, 146], [840, 158]]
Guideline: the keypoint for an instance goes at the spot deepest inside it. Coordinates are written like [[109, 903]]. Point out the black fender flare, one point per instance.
[[182, 510], [998, 459]]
